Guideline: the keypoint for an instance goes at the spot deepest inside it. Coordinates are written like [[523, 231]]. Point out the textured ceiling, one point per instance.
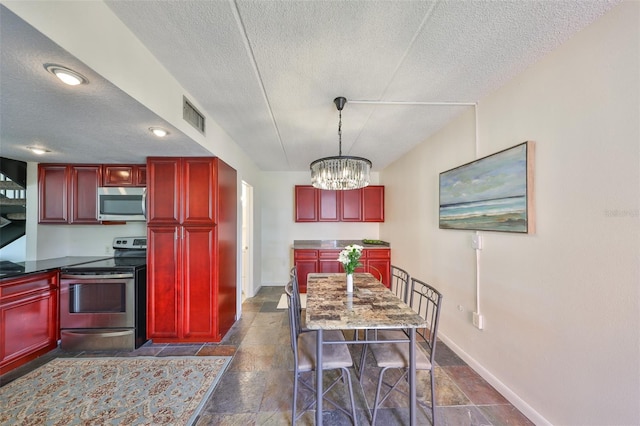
[[268, 71]]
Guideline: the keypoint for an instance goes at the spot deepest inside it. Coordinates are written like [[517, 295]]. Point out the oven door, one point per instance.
[[97, 300]]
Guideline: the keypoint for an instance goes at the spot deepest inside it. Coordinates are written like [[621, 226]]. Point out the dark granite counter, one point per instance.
[[334, 244], [15, 269]]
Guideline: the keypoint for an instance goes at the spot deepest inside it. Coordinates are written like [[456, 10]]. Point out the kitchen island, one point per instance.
[[312, 256]]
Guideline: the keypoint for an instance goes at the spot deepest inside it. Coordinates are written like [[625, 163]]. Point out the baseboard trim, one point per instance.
[[511, 396]]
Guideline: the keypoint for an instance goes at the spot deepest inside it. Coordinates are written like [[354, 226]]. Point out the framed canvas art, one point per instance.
[[493, 193]]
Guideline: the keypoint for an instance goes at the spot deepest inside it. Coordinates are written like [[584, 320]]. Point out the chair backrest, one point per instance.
[[426, 301], [294, 319], [400, 283], [293, 276], [375, 272]]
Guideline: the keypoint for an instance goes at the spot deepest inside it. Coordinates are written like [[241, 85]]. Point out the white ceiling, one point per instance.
[[267, 72]]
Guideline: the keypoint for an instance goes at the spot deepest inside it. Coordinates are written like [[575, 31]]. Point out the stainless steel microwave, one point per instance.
[[122, 204]]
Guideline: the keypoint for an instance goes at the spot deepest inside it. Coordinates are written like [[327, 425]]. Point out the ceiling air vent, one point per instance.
[[192, 115]]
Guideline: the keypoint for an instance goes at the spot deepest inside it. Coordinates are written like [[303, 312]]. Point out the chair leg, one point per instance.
[[433, 395], [295, 397], [375, 402], [353, 403]]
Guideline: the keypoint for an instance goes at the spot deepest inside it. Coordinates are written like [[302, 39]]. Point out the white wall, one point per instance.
[[280, 229], [561, 306]]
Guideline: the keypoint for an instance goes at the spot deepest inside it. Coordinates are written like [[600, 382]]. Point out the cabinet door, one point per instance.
[[351, 205], [124, 175], [164, 282], [328, 261], [328, 206], [199, 191], [118, 175], [306, 262], [378, 262], [83, 193], [200, 313], [306, 203], [29, 313], [141, 175], [164, 191], [53, 199], [373, 203]]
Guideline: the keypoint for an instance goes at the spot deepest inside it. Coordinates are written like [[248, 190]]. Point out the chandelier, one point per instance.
[[343, 171]]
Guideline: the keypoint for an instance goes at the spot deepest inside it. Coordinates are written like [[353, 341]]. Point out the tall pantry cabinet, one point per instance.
[[191, 249]]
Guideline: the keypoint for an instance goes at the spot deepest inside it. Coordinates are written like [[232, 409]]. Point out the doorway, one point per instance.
[[247, 241]]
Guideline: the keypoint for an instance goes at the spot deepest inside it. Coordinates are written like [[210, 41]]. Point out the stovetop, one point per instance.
[[120, 262]]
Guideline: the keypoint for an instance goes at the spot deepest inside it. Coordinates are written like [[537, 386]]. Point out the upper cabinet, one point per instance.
[[124, 175], [68, 193], [373, 204], [182, 191], [306, 204], [356, 205]]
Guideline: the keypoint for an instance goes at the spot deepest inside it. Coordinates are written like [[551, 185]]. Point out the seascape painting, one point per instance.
[[494, 193]]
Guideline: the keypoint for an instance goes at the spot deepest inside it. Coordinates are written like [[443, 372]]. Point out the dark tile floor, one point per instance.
[[257, 386]]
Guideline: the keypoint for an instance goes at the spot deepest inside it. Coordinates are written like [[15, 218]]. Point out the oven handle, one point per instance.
[[96, 276]]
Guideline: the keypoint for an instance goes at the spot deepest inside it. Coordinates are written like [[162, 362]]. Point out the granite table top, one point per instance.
[[371, 305]]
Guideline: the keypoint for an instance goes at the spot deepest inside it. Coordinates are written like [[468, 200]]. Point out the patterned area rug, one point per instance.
[[112, 391]]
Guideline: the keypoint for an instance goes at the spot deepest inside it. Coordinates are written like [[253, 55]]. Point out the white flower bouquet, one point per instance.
[[350, 257]]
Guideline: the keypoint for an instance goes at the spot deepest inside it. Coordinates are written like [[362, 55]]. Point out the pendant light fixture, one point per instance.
[[343, 171]]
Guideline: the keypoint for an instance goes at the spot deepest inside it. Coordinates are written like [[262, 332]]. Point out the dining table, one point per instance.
[[370, 306]]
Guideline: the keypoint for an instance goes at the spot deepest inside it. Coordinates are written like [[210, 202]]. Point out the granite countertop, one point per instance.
[[371, 305], [15, 269], [335, 244]]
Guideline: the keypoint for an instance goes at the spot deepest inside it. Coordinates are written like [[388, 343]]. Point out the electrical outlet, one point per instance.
[[476, 241], [478, 321]]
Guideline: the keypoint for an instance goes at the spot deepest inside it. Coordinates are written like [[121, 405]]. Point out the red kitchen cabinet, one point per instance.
[[378, 262], [328, 261], [68, 193], [373, 203], [355, 205], [351, 205], [164, 191], [328, 206], [191, 249], [306, 262], [375, 261], [29, 318], [306, 203], [124, 175]]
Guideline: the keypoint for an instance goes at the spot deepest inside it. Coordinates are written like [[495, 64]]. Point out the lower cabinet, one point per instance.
[[28, 318], [183, 295], [375, 261]]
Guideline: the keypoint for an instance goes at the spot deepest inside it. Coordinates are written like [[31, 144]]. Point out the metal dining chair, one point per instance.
[[400, 287], [293, 277], [400, 283], [334, 356], [426, 301]]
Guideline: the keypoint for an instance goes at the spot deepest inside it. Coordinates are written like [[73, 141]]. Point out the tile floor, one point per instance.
[[256, 388]]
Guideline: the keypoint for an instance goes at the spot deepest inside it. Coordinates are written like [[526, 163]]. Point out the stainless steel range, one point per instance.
[[103, 303]]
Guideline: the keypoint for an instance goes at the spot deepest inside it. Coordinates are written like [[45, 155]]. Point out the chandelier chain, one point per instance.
[[340, 134]]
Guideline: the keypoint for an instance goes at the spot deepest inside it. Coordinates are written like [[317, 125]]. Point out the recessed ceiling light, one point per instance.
[[38, 150], [66, 75], [158, 131]]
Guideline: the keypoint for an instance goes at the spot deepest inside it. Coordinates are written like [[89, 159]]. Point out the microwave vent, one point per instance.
[[192, 116]]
